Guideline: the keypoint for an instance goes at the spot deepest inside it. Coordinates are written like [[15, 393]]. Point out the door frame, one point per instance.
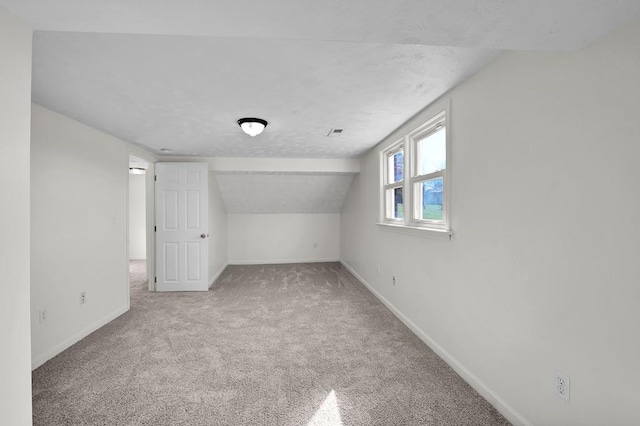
[[149, 188]]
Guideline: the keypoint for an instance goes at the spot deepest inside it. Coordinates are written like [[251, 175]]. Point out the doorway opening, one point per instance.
[[138, 274]]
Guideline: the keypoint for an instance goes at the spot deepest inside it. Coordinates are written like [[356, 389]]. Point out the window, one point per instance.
[[394, 183], [415, 185]]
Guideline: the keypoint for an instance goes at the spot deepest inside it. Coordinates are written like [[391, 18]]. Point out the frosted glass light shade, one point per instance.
[[252, 126]]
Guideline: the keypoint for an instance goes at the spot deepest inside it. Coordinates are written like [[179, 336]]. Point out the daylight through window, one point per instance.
[[415, 188], [395, 184]]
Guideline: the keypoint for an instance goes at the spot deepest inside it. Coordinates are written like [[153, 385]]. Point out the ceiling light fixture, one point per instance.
[[136, 170], [252, 126]]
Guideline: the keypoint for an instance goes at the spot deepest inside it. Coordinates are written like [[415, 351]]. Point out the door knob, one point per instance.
[[204, 235]]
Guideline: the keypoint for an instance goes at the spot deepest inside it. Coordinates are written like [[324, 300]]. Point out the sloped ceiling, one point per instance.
[[177, 74], [284, 192]]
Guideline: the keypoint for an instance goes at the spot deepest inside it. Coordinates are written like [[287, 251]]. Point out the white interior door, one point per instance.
[[182, 246]]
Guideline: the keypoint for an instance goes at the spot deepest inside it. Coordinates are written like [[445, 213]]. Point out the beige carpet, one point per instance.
[[301, 344]]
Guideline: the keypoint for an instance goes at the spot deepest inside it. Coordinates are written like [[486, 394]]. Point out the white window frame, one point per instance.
[[407, 138], [433, 125], [386, 185]]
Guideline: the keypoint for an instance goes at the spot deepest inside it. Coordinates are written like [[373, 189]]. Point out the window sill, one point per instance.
[[416, 231]]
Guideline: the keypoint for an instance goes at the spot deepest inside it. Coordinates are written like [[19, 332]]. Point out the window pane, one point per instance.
[[396, 166], [432, 152], [396, 203], [431, 192]]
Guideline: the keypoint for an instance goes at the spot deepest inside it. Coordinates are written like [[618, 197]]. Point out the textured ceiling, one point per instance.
[[186, 93], [138, 163], [491, 24], [177, 74]]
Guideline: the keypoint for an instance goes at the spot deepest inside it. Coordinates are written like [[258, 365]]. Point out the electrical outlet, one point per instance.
[[315, 245], [394, 280], [42, 316], [83, 298], [563, 385], [378, 269]]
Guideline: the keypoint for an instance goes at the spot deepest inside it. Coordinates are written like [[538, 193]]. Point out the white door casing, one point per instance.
[[182, 246]]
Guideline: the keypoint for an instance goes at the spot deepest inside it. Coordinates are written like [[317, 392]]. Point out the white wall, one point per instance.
[[137, 217], [542, 272], [283, 238], [78, 222], [218, 241], [15, 112]]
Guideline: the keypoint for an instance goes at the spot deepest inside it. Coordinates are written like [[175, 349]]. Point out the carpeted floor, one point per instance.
[[302, 344]]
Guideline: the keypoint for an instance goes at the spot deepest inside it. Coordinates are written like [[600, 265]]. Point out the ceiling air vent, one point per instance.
[[334, 133]]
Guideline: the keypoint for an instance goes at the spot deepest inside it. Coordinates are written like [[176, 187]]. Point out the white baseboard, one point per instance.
[[38, 360], [217, 275], [505, 409], [280, 261]]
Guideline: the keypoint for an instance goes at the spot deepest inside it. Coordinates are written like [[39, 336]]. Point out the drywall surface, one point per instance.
[[271, 193], [218, 230], [79, 238], [137, 217], [15, 113], [542, 270], [283, 238]]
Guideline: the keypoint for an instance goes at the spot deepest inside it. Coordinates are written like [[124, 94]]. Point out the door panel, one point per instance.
[[181, 226], [170, 211], [193, 210], [193, 262], [171, 251]]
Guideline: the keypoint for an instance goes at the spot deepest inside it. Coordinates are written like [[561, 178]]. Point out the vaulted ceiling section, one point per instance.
[[178, 74]]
